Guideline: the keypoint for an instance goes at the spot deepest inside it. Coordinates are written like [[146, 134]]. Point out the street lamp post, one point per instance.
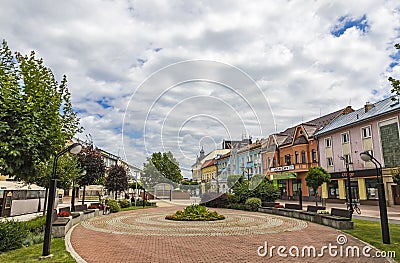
[[300, 194], [74, 192], [349, 193], [74, 148], [366, 156]]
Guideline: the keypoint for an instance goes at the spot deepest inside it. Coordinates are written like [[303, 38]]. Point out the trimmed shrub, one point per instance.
[[114, 206], [36, 225], [254, 203], [12, 235], [238, 206], [124, 203], [140, 203], [195, 213]]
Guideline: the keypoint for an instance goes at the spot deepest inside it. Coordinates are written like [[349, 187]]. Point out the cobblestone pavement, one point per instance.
[[145, 236]]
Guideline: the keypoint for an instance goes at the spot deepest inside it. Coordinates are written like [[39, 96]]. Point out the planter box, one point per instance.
[[337, 222], [61, 226]]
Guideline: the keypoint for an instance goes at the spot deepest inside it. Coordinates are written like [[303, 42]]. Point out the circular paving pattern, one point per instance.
[[155, 224]]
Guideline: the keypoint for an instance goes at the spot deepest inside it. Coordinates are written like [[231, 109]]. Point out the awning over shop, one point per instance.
[[283, 176]]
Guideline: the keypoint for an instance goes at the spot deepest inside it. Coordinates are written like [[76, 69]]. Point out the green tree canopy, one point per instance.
[[315, 177], [395, 82], [261, 188], [117, 179], [68, 168], [396, 176], [161, 168], [36, 116]]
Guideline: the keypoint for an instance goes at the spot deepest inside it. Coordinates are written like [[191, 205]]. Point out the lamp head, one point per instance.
[[365, 156], [75, 148]]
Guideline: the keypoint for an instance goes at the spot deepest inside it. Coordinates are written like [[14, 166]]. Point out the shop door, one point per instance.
[[396, 194]]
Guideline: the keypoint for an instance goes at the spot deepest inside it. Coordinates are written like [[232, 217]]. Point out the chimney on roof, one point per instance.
[[368, 106]]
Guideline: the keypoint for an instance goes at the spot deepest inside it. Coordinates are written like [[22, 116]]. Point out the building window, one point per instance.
[[268, 162], [366, 132], [333, 189], [347, 159], [372, 188], [328, 142], [296, 156], [345, 138], [288, 159], [314, 155], [274, 162], [329, 161], [303, 157]]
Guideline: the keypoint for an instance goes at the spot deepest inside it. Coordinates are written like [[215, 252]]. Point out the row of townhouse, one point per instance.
[[328, 141]]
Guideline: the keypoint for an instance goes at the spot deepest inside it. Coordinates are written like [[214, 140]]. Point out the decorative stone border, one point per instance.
[[63, 224], [326, 220]]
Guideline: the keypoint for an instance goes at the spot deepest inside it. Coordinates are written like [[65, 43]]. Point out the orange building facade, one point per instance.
[[288, 156]]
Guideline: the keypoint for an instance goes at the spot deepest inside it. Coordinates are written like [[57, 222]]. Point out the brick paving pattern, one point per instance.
[[145, 236]]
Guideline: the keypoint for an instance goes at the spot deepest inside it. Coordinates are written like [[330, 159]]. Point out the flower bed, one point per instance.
[[64, 214], [195, 213]]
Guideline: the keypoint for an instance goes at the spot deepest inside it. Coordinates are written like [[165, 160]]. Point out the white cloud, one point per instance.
[[109, 48]]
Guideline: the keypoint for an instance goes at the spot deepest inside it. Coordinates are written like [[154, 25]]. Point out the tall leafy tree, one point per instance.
[[91, 161], [117, 179], [161, 168], [395, 82], [36, 115], [315, 177]]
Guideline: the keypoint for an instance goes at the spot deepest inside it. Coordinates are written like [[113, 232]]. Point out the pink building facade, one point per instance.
[[373, 128]]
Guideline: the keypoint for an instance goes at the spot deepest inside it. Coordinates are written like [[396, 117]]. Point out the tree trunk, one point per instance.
[[316, 197], [115, 195], [84, 195]]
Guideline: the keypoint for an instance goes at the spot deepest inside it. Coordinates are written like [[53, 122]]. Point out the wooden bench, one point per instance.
[[293, 206], [314, 209]]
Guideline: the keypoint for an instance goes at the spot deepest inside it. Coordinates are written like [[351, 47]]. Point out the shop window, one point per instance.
[[282, 187], [311, 191], [372, 188], [333, 189], [296, 185]]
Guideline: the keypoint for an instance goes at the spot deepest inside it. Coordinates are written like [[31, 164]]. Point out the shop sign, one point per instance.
[[282, 168]]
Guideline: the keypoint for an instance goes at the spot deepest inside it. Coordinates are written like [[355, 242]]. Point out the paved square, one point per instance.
[[145, 236]]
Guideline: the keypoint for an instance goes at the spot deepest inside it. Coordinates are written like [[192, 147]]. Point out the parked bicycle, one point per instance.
[[355, 208]]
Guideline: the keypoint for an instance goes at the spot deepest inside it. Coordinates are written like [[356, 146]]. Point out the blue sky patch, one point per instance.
[[103, 103], [346, 22]]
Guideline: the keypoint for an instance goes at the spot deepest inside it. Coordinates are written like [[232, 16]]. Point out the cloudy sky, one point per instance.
[[173, 76]]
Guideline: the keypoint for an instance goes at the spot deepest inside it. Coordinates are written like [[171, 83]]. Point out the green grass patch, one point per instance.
[[135, 208], [33, 253], [370, 232]]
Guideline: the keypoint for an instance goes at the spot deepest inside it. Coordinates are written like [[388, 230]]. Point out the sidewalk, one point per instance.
[[368, 212]]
